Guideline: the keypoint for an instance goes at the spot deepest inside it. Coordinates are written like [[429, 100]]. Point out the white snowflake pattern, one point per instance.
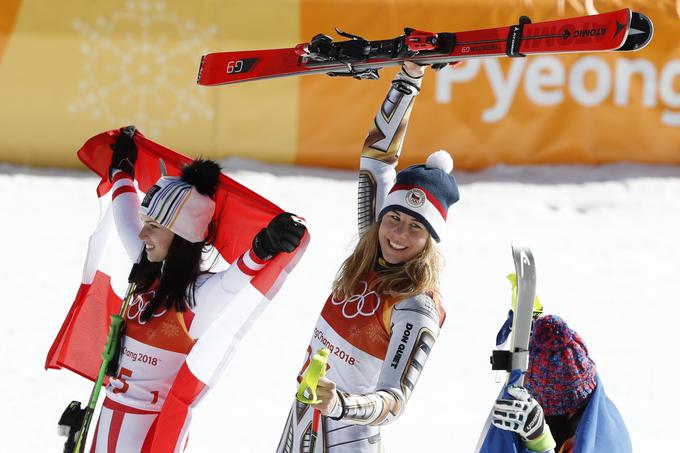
[[169, 329], [374, 333], [354, 332], [370, 333], [133, 67]]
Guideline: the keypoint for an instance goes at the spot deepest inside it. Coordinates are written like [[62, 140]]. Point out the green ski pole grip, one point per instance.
[[316, 369], [112, 340]]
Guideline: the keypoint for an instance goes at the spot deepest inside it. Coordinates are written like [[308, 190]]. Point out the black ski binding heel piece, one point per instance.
[[69, 425], [360, 74], [321, 48]]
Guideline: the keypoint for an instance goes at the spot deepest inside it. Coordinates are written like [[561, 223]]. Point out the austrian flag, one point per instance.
[[239, 215]]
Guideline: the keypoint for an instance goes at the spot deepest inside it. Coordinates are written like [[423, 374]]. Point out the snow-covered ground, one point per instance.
[[606, 241]]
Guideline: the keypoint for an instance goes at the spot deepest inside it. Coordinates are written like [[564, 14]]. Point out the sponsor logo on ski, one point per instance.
[[590, 32], [484, 48], [402, 345], [240, 66], [619, 28], [526, 262], [515, 34]]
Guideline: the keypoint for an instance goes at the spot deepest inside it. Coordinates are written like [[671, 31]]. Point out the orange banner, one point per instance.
[[75, 68], [579, 108], [70, 71], [8, 16]]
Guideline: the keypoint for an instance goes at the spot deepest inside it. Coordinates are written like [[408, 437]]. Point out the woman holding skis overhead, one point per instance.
[[384, 313], [175, 304]]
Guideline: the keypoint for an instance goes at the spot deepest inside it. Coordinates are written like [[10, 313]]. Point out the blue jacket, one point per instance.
[[601, 429]]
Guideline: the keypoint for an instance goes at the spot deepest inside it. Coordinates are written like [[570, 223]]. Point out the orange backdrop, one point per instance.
[[579, 108], [71, 70]]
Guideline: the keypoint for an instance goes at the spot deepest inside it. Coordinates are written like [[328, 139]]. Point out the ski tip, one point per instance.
[[200, 70], [523, 258], [517, 246], [640, 33], [519, 249]]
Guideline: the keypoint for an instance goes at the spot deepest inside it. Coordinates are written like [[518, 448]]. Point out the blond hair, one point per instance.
[[416, 276]]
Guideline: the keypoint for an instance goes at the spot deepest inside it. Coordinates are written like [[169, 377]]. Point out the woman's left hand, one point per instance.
[[124, 152], [283, 234], [326, 392], [413, 69]]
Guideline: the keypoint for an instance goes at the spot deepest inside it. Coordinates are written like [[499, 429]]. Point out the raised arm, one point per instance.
[[215, 294], [382, 146], [226, 307], [125, 199]]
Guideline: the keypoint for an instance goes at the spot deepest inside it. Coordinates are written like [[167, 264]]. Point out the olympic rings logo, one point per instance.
[[138, 304], [364, 304]]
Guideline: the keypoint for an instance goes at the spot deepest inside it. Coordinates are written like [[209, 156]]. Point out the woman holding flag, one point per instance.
[[182, 323], [384, 313]]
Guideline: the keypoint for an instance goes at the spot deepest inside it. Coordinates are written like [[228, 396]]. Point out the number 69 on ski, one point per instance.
[[622, 30]]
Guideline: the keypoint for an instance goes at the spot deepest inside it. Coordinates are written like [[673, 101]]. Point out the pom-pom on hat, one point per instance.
[[184, 204], [425, 192], [561, 375]]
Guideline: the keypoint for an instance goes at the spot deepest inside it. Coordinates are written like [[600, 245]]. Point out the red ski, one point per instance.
[[622, 30]]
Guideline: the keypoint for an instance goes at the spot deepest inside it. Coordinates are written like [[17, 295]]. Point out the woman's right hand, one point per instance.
[[327, 393], [124, 152]]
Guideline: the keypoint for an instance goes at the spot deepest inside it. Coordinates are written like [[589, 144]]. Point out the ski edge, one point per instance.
[[525, 268]]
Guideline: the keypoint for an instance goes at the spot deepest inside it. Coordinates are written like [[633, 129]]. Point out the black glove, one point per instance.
[[283, 234], [124, 152]]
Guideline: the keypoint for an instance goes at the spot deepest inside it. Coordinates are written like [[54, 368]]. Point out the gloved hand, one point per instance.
[[522, 415], [124, 152], [283, 234]]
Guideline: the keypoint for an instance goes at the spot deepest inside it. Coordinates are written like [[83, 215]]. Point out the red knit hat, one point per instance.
[[561, 376]]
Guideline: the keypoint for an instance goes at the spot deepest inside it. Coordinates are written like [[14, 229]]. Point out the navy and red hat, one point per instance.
[[425, 192], [561, 375]]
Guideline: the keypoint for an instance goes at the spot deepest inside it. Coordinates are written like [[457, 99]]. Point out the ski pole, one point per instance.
[[316, 369], [74, 416]]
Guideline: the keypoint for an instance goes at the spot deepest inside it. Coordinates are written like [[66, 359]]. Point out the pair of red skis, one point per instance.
[[622, 30]]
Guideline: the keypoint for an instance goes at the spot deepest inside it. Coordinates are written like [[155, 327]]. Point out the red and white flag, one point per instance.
[[239, 214]]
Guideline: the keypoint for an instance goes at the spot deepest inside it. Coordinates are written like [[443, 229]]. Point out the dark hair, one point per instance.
[[176, 275], [564, 426], [178, 272]]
